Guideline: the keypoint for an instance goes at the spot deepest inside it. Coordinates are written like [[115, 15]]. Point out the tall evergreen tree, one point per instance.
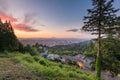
[[100, 20], [8, 40]]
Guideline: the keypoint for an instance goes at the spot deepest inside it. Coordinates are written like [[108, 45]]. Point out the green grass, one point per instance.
[[49, 70], [12, 71]]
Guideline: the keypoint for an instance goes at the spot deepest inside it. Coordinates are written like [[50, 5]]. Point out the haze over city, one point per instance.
[[47, 18]]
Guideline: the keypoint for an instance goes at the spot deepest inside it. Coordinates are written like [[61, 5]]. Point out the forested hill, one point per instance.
[[72, 49]]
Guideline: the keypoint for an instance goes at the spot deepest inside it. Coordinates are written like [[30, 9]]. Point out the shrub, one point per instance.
[[42, 62], [36, 58], [60, 65], [32, 50]]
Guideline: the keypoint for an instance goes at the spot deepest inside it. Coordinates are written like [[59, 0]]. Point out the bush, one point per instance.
[[36, 58], [60, 65], [32, 50], [42, 62]]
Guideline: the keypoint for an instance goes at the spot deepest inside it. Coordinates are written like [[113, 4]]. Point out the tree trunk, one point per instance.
[[98, 59]]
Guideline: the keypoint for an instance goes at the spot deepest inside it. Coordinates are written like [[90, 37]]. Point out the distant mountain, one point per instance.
[[51, 41]]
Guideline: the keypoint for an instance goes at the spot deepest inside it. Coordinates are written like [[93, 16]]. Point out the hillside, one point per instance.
[[17, 66], [11, 71]]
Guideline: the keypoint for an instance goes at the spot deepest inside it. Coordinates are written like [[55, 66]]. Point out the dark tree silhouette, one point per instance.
[[100, 20], [8, 40]]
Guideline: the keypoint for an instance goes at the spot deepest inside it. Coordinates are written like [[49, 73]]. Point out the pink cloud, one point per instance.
[[22, 26], [8, 18]]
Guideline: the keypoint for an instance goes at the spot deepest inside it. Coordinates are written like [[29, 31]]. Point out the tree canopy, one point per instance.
[[110, 50], [101, 19], [8, 40]]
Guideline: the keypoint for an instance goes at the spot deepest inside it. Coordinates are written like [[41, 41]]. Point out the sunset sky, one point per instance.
[[47, 18]]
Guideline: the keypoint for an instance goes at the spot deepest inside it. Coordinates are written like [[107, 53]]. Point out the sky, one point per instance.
[[47, 18]]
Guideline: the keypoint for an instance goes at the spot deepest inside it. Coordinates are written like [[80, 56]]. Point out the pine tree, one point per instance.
[[8, 40], [100, 20]]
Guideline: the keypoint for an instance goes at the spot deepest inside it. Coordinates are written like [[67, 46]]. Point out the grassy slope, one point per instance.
[[12, 71], [43, 68]]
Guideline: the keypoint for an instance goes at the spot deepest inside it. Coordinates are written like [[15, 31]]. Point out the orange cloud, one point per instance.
[[8, 18], [22, 26]]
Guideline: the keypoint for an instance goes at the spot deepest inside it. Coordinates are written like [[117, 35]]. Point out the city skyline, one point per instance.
[[47, 18]]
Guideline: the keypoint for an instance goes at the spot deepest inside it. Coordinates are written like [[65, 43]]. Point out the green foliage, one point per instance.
[[29, 59], [36, 58], [110, 51], [101, 19], [21, 48], [8, 40], [72, 49], [90, 49], [111, 55], [60, 65], [32, 50], [42, 62]]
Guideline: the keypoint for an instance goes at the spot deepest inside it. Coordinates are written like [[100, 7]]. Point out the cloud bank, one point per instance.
[[27, 23]]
